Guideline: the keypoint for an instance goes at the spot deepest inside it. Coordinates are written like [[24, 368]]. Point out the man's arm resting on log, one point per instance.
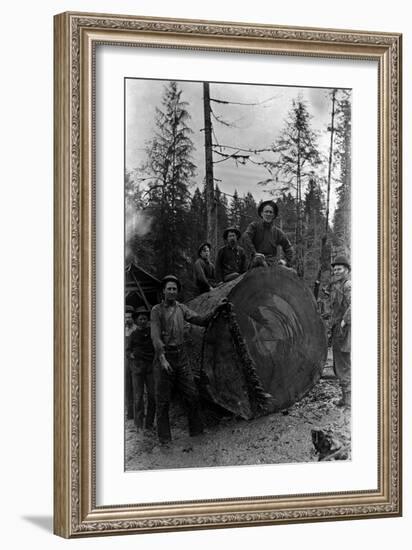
[[286, 247], [202, 320]]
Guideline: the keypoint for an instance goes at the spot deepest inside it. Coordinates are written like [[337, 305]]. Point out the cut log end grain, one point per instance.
[[267, 351]]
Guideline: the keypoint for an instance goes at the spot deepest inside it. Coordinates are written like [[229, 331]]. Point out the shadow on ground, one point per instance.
[[43, 522]]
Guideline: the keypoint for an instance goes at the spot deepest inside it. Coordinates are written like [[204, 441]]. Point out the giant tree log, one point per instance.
[[264, 352]]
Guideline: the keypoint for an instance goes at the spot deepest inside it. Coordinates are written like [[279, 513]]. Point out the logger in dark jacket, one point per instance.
[[263, 237], [341, 326], [129, 328], [172, 367], [204, 269], [141, 352], [231, 258]]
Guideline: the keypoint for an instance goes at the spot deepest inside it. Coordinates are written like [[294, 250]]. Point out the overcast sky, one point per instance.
[[256, 126]]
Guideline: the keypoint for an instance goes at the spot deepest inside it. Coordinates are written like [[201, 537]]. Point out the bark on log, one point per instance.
[[272, 341]]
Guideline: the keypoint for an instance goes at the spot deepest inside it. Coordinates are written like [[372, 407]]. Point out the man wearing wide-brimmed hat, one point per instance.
[[231, 258], [141, 354], [341, 326], [172, 367], [262, 237], [204, 269]]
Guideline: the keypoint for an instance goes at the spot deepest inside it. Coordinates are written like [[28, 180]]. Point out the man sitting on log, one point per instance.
[[263, 237], [341, 326], [231, 258], [204, 269], [172, 367]]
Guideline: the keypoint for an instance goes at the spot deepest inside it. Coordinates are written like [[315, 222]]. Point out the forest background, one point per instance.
[[201, 156]]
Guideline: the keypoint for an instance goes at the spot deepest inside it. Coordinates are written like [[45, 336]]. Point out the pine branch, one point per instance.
[[238, 158], [225, 102], [218, 119], [254, 151]]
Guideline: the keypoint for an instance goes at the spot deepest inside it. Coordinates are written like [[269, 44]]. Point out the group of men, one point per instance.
[[261, 238], [156, 359], [163, 365]]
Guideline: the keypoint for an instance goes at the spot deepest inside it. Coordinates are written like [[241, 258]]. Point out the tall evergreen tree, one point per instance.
[[248, 211], [197, 221], [235, 209], [169, 170], [313, 231], [222, 215], [342, 215], [287, 215], [312, 213], [296, 157]]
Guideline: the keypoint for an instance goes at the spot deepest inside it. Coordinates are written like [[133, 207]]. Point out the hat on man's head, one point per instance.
[[233, 230], [341, 260], [265, 203], [170, 279], [142, 310], [129, 309], [201, 247]]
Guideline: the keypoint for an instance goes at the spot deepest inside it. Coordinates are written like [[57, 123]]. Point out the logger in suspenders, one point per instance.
[[172, 369], [341, 326]]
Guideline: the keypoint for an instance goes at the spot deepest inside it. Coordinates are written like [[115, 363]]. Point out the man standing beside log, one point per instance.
[[129, 328], [172, 367], [141, 353], [262, 237], [231, 258], [341, 326]]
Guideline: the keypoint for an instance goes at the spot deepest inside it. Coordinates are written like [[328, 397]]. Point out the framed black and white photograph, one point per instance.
[[242, 193], [227, 234]]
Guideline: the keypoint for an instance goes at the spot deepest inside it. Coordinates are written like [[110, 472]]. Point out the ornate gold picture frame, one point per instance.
[[77, 510]]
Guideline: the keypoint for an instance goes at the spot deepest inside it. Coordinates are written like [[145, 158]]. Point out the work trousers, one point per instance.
[[142, 377], [128, 389], [341, 360], [182, 379]]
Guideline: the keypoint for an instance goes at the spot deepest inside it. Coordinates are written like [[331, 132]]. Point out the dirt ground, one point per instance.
[[284, 437]]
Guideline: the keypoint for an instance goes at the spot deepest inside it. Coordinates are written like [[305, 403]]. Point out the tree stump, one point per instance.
[[267, 351]]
